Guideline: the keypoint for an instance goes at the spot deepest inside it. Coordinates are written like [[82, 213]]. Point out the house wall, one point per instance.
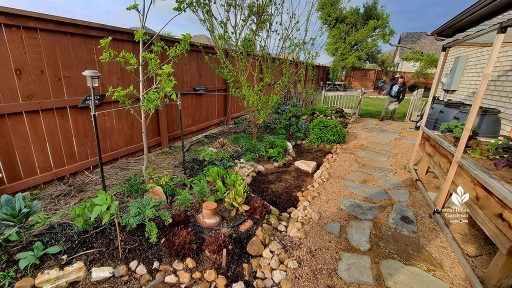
[[499, 90]]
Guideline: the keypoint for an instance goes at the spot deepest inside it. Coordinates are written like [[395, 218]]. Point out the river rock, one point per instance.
[[101, 273], [221, 281], [254, 247], [141, 269], [61, 278], [121, 271], [184, 276], [210, 275], [26, 282], [171, 279]]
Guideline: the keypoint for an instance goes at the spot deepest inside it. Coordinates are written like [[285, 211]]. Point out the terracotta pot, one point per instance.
[[209, 216]]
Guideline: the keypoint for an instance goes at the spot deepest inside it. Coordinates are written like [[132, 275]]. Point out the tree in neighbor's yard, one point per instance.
[[263, 48], [354, 33], [386, 63], [425, 62], [152, 68]]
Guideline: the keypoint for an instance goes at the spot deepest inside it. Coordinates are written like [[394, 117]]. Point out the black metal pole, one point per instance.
[[97, 136], [181, 131]]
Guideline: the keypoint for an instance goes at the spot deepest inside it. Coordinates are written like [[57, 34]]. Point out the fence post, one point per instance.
[[162, 123]]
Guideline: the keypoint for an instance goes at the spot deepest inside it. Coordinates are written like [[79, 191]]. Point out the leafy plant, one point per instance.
[[8, 277], [324, 131], [146, 211], [28, 258], [501, 151], [134, 186], [270, 147], [181, 242], [477, 152], [40, 220], [183, 199], [199, 186], [215, 244], [456, 128], [103, 206], [237, 191], [15, 213]]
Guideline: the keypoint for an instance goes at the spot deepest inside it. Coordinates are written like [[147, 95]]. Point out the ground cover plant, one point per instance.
[[324, 131]]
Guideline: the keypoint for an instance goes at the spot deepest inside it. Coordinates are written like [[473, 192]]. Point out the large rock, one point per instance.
[[372, 192], [362, 210], [355, 268], [254, 247], [61, 278], [157, 194], [398, 275], [308, 166], [101, 273], [403, 219], [358, 234], [333, 228]]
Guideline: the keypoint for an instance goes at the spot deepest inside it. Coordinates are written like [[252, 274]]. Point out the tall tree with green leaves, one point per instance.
[[263, 48], [426, 62], [386, 63], [354, 33], [152, 68]]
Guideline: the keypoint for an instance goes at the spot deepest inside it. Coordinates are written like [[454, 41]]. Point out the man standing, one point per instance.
[[396, 94]]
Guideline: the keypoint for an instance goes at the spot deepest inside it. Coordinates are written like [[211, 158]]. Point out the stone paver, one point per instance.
[[403, 219], [372, 192], [373, 163], [373, 155], [408, 248], [380, 150], [356, 176], [376, 146], [333, 228], [391, 182], [399, 195], [376, 170], [355, 268], [362, 210], [398, 275], [358, 234]]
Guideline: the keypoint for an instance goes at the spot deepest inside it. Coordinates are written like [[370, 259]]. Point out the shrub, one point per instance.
[[15, 213], [267, 146], [28, 258], [324, 131], [181, 243], [104, 206], [456, 128], [413, 87]]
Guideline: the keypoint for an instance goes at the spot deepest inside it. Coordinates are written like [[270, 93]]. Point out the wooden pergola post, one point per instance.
[[435, 85], [496, 47]]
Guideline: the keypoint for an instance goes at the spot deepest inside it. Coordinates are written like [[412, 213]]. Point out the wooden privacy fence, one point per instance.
[[44, 135], [369, 78]]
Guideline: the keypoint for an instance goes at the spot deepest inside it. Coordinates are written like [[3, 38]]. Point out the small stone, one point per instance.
[[268, 271], [210, 275], [282, 267], [101, 273], [145, 279], [274, 263], [171, 279], [285, 283], [267, 253], [61, 278], [278, 275], [121, 271], [160, 276], [141, 269], [281, 228], [202, 285], [255, 263], [178, 265], [302, 234], [26, 282], [315, 216], [264, 262], [308, 166], [260, 274], [239, 284], [259, 283], [292, 264], [133, 265], [184, 276], [166, 268], [283, 257], [268, 282], [333, 228], [157, 194], [255, 248], [221, 281], [197, 275], [247, 271], [246, 225], [190, 263], [274, 246], [156, 265]]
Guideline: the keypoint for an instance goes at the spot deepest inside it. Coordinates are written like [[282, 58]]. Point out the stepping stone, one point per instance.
[[376, 170], [373, 155], [377, 129], [408, 248], [398, 275], [409, 140], [362, 210], [376, 146], [333, 228], [358, 234], [403, 219], [373, 163], [356, 176], [399, 195], [372, 192], [355, 268], [391, 182]]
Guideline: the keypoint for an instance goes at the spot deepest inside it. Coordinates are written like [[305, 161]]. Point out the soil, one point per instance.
[[279, 186]]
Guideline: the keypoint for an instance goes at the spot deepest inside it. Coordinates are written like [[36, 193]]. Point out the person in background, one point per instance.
[[396, 94], [381, 85]]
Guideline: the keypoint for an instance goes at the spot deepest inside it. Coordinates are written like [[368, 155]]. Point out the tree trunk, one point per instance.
[[254, 122], [143, 115]]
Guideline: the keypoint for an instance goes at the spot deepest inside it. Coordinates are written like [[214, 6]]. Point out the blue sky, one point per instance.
[[406, 16]]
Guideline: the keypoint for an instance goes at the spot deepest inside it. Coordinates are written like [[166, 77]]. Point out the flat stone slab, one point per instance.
[[358, 234], [391, 182], [398, 275], [372, 192], [356, 176], [333, 228], [355, 268], [373, 163], [362, 210], [378, 147], [376, 170], [408, 248], [308, 166], [400, 195], [403, 219], [373, 155]]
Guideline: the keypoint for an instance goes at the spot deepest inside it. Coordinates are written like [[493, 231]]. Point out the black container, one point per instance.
[[488, 121], [434, 113]]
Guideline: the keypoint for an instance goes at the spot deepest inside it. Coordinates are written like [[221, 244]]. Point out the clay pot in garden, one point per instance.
[[209, 216]]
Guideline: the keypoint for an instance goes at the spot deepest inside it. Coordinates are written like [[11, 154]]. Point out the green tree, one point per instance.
[[386, 63], [263, 48], [152, 68], [354, 33], [425, 61]]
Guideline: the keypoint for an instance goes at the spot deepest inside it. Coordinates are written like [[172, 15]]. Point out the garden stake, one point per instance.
[[97, 136], [118, 236], [224, 256]]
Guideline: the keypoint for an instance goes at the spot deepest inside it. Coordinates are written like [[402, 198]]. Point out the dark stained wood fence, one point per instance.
[[44, 136], [368, 78]]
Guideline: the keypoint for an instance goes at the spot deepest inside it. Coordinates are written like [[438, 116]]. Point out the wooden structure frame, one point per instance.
[[490, 202], [351, 101]]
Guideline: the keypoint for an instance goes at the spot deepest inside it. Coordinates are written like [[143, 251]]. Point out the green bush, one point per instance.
[[456, 127], [133, 186], [104, 206], [266, 146], [324, 131], [145, 211]]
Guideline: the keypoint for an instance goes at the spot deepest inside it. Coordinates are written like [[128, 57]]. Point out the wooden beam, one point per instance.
[[435, 85], [498, 41], [499, 272]]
